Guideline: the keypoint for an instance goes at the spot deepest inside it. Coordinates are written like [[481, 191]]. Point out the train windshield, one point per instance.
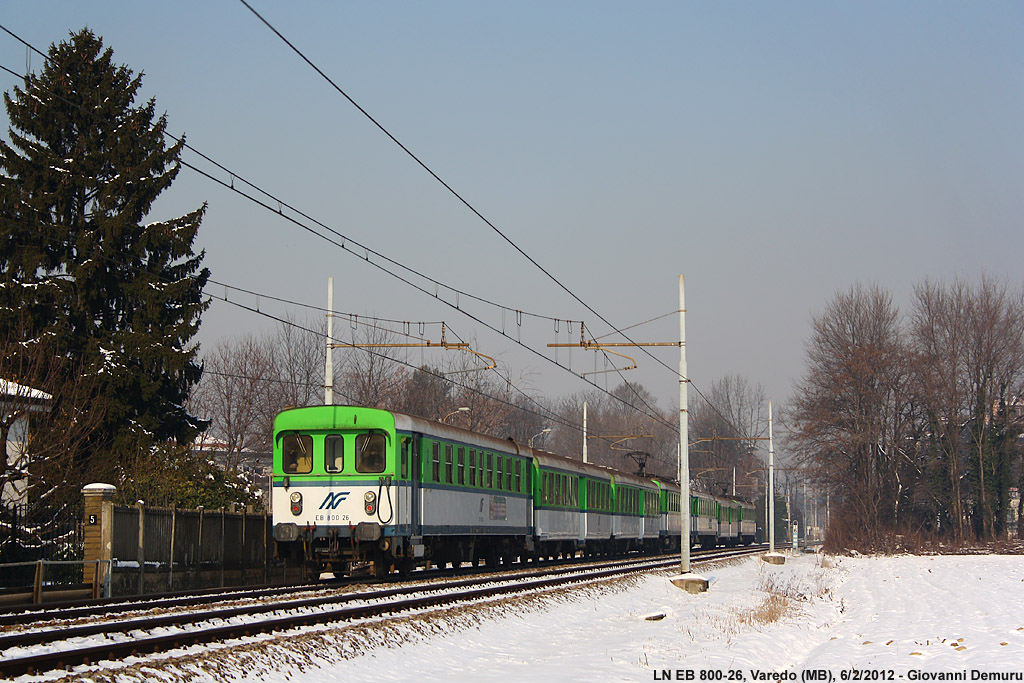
[[297, 454], [334, 453], [370, 453]]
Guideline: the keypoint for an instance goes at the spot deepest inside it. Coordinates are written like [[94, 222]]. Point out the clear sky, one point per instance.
[[774, 153]]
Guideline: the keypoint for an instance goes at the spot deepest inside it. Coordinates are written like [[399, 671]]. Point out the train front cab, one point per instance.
[[341, 489]]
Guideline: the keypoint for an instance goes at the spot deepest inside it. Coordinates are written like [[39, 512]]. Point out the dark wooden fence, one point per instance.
[[154, 550], [166, 549]]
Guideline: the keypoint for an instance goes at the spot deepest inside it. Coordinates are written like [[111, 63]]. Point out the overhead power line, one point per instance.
[[344, 239], [460, 198]]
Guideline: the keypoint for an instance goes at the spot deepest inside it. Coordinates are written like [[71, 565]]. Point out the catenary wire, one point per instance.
[[465, 202], [367, 250]]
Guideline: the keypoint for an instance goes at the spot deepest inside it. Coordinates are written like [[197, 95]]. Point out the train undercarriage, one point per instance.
[[364, 551]]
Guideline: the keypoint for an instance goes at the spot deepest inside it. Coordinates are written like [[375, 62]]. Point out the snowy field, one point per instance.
[[889, 618]]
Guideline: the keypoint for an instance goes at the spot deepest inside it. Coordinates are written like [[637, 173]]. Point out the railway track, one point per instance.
[[62, 645]]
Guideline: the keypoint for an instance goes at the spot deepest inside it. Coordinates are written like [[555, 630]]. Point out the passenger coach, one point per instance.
[[362, 490]]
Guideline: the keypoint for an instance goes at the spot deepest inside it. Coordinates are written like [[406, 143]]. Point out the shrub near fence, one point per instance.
[[161, 549]]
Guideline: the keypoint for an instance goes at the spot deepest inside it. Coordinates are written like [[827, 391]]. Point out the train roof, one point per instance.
[[411, 423], [553, 460]]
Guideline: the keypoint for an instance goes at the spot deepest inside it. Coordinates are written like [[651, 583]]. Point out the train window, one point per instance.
[[405, 458], [334, 453], [472, 467], [297, 454], [370, 452], [500, 471], [490, 471], [545, 488], [508, 475], [448, 463], [462, 465], [437, 462], [519, 477]]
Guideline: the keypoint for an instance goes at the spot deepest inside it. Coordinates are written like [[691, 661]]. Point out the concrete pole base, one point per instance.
[[774, 558], [691, 583]]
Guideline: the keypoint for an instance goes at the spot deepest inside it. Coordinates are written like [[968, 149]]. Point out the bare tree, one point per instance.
[[48, 426], [621, 432], [369, 374], [296, 355], [970, 348], [849, 414], [724, 430], [233, 396], [426, 394]]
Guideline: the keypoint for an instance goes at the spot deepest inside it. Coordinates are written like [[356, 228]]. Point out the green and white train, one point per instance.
[[365, 490]]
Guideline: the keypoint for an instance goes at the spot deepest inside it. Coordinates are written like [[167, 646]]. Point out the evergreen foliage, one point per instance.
[[81, 274], [172, 475]]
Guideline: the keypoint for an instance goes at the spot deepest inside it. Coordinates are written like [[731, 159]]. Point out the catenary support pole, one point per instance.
[[584, 432], [771, 483], [329, 366], [686, 580], [684, 450], [772, 557]]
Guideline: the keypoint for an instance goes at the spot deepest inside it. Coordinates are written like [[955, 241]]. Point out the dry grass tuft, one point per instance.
[[772, 608]]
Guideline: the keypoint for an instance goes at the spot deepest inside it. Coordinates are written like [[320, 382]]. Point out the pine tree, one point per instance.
[[81, 272]]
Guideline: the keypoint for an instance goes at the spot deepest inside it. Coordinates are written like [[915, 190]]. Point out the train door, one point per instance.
[[403, 490], [416, 492]]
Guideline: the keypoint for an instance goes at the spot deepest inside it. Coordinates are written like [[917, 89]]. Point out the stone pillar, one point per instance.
[[99, 535]]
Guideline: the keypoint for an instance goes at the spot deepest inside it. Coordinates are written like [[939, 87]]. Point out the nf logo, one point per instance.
[[333, 500]]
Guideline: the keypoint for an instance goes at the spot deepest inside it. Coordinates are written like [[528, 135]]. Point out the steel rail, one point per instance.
[[34, 664]]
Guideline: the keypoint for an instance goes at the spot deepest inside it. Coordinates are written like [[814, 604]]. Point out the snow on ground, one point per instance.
[[904, 614]]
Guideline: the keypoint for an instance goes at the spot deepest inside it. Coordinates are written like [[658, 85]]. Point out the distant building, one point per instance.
[[17, 404]]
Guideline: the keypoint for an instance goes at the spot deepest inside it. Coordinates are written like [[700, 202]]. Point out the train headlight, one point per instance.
[[296, 502], [370, 502]]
